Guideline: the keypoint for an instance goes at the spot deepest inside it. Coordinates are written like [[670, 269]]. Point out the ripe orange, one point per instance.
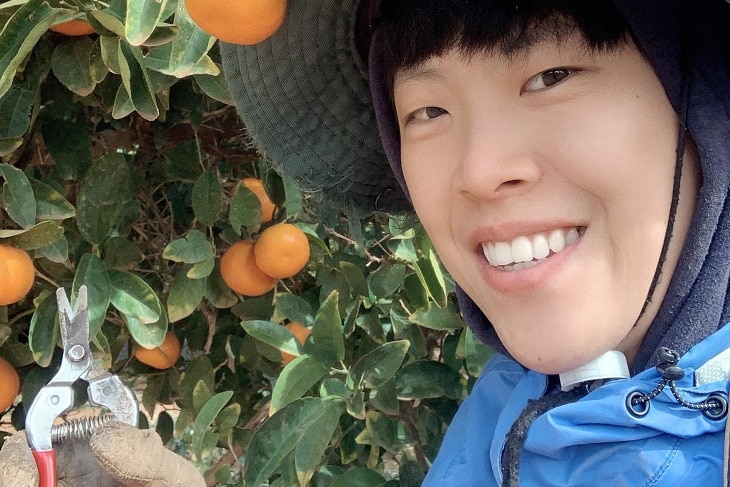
[[257, 188], [238, 21], [16, 274], [73, 28], [301, 333], [162, 357], [9, 384], [282, 250], [240, 272]]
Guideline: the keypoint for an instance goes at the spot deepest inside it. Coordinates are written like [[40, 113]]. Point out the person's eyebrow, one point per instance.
[[420, 72]]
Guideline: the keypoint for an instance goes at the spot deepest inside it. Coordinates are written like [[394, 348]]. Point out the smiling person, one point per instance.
[[570, 161]]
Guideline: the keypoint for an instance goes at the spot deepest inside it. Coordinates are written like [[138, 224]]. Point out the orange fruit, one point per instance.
[[301, 333], [73, 28], [162, 357], [17, 274], [240, 272], [9, 384], [257, 188], [238, 21], [282, 250]]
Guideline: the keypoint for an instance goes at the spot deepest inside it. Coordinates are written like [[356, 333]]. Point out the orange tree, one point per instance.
[[122, 168]]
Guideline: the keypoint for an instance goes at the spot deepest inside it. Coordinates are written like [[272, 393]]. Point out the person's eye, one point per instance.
[[425, 114], [548, 78]]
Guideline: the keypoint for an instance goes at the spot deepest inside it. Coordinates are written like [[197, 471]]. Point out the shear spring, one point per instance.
[[78, 429]]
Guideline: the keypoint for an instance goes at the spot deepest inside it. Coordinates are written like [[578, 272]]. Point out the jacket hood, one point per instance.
[[683, 40]]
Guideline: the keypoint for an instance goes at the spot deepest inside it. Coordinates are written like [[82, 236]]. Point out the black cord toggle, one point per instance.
[[714, 407]]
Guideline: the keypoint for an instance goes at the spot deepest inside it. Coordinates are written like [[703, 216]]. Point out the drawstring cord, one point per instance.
[[714, 407]]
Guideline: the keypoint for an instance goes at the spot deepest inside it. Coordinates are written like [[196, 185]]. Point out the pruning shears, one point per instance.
[[104, 390]]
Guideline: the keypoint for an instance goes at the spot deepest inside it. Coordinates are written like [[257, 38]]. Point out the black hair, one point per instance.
[[415, 30]]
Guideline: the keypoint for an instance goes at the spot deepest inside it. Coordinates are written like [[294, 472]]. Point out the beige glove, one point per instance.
[[115, 455]]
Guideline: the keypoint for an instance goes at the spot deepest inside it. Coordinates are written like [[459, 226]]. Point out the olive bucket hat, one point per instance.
[[304, 97]]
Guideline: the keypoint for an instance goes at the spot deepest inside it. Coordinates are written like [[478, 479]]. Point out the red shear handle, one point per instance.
[[46, 463]]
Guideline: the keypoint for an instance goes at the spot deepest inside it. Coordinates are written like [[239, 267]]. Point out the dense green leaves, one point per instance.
[[102, 192], [121, 168]]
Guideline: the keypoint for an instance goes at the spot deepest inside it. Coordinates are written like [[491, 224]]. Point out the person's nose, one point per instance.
[[498, 160]]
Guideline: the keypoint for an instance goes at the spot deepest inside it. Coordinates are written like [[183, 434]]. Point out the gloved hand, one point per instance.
[[116, 454]]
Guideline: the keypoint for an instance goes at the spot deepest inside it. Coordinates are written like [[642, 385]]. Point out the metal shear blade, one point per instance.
[[57, 397]]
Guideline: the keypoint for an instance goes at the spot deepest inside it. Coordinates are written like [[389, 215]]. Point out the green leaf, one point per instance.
[[293, 197], [437, 318], [294, 308], [91, 273], [382, 431], [313, 443], [191, 249], [57, 251], [187, 53], [476, 353], [108, 22], [44, 331], [20, 35], [207, 198], [97, 69], [201, 395], [359, 477], [103, 191], [134, 297], [51, 205], [15, 109], [245, 210], [34, 238], [215, 87], [386, 280], [141, 19], [149, 335], [18, 197], [327, 342], [385, 398], [433, 277], [136, 81], [295, 380], [71, 61], [205, 418], [272, 334], [354, 276], [217, 291], [415, 291], [426, 379], [199, 369], [278, 437], [185, 295], [165, 427], [203, 269], [228, 418], [120, 253], [379, 366], [110, 53]]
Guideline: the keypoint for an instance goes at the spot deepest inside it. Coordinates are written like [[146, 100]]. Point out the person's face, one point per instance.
[[545, 184]]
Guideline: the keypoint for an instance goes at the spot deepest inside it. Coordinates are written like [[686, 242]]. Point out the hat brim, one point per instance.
[[303, 95]]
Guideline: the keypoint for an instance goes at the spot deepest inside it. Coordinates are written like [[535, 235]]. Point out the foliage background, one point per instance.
[[120, 155]]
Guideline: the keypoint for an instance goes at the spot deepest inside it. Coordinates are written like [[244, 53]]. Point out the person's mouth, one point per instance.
[[529, 250]]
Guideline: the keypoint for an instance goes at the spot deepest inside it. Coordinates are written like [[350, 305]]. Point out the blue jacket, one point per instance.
[[594, 441]]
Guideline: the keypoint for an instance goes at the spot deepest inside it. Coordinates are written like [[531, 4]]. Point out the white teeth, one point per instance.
[[502, 253], [571, 237], [521, 249], [540, 247], [524, 252], [556, 241]]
